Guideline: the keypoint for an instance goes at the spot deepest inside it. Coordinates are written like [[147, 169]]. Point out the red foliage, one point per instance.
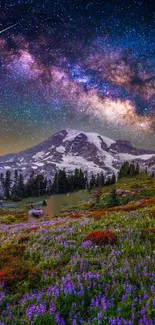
[[32, 229], [14, 268], [101, 237], [14, 273]]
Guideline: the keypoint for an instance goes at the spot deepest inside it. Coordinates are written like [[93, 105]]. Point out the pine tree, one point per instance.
[[113, 178], [81, 180], [137, 169], [92, 181], [15, 189], [76, 179], [49, 187], [108, 181], [56, 183], [132, 170], [44, 204], [1, 185], [146, 172], [102, 179], [86, 179], [70, 183], [98, 180], [113, 200], [62, 181], [7, 184], [21, 186]]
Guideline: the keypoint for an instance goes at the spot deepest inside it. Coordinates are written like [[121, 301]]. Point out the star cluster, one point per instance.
[[87, 65]]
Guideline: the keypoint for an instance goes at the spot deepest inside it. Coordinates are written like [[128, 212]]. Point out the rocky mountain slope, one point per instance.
[[70, 149]]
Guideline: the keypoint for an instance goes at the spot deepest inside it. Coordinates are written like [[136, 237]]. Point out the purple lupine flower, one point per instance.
[[153, 302], [104, 304], [35, 311], [52, 307], [57, 317]]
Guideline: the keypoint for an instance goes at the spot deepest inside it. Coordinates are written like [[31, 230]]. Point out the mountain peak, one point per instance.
[[72, 149]]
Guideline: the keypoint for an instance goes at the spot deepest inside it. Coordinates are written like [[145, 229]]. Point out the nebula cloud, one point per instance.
[[60, 78]]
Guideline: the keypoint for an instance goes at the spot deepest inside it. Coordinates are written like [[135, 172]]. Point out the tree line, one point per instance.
[[15, 188]]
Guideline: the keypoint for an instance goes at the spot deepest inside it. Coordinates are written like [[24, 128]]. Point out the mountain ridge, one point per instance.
[[72, 149]]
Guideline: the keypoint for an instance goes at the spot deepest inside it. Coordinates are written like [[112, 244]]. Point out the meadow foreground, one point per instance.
[[52, 273]]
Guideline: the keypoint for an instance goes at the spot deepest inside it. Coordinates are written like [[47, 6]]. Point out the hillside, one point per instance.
[[57, 271]]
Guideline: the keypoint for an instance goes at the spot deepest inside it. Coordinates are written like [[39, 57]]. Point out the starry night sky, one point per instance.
[[86, 65]]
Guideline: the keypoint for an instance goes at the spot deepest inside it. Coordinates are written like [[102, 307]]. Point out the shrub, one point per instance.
[[101, 237], [17, 271], [150, 230], [152, 213], [112, 200], [148, 233], [23, 239], [44, 204]]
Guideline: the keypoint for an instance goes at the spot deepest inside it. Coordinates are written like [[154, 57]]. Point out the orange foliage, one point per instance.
[[97, 214], [134, 205], [75, 215], [150, 230]]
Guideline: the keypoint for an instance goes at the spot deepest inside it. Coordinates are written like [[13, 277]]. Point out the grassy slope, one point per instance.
[[75, 282]]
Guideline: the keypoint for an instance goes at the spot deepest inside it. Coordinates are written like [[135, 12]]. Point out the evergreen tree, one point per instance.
[[113, 178], [102, 180], [146, 171], [108, 181], [62, 181], [7, 184], [98, 180], [92, 181], [81, 180], [49, 187], [70, 183], [128, 169], [1, 185], [21, 186], [56, 183], [15, 189], [76, 179], [44, 204], [137, 169], [112, 199], [86, 179]]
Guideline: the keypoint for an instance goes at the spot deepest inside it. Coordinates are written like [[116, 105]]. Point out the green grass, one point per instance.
[[51, 264]]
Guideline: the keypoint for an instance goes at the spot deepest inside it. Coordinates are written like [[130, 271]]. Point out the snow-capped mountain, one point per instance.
[[72, 149]]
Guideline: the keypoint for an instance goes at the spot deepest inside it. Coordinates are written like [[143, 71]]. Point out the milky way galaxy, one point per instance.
[[87, 65]]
